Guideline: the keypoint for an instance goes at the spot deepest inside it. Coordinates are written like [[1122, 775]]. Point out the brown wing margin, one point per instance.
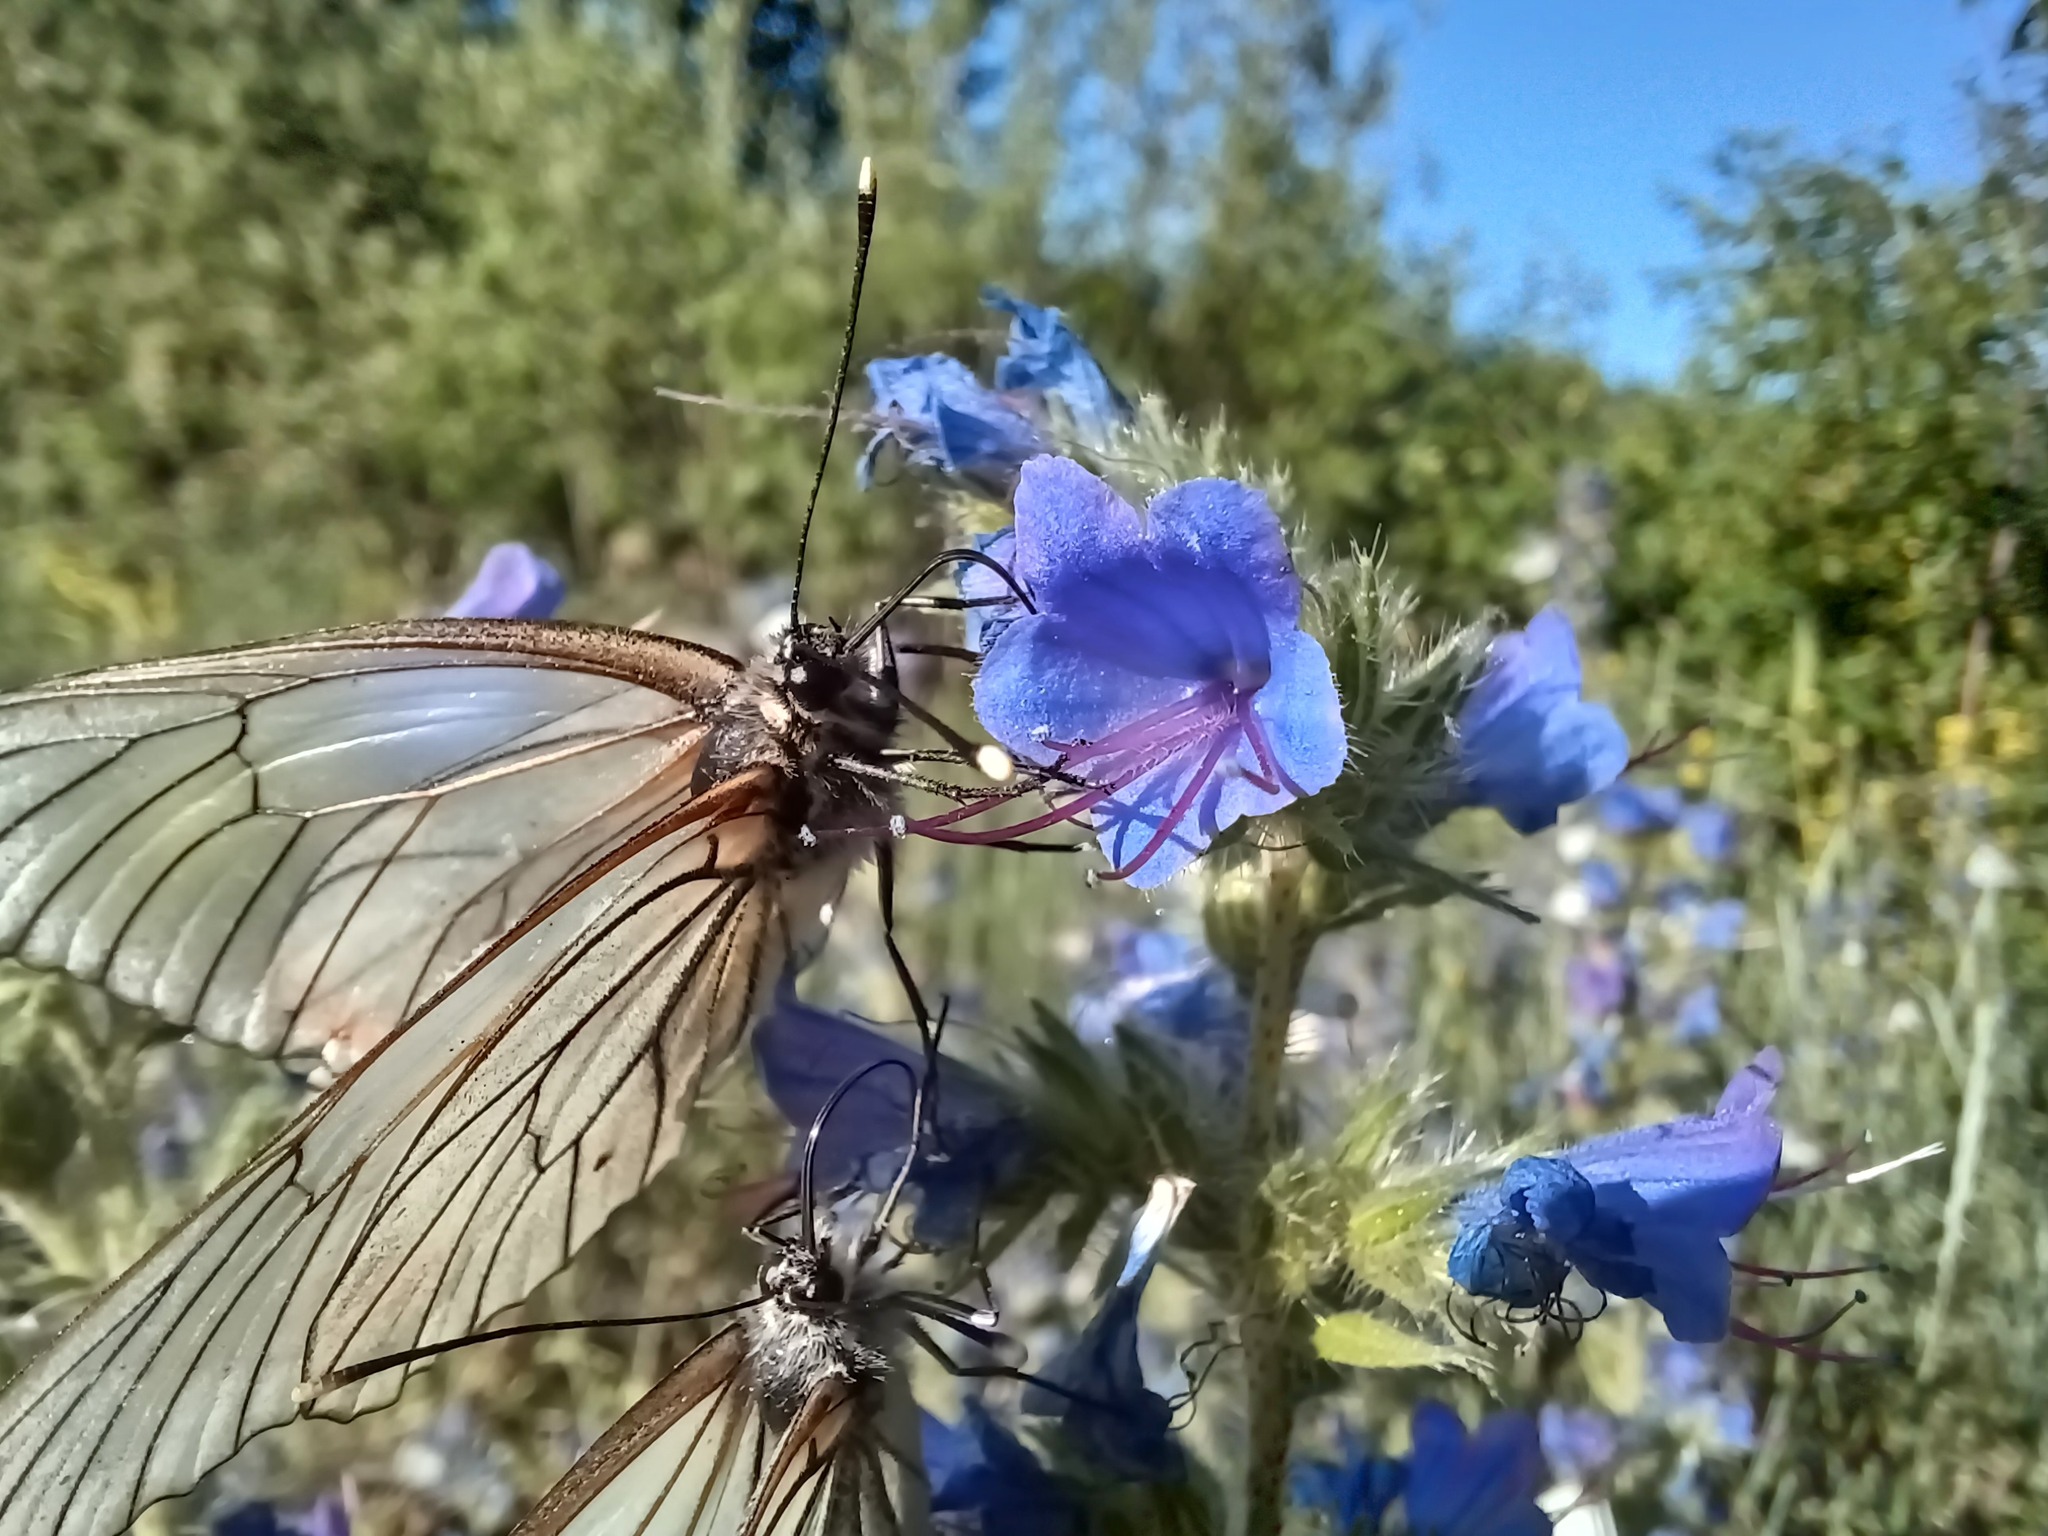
[[709, 1386], [524, 1114], [315, 833]]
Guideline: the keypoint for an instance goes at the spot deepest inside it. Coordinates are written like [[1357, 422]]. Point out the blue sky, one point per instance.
[[1553, 131]]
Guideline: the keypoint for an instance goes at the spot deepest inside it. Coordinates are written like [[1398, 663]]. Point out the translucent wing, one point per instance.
[[697, 1456], [684, 1459], [455, 1167], [289, 846], [849, 1465]]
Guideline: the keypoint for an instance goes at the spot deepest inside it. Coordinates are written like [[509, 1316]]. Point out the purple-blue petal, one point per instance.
[[1557, 1198], [977, 1142], [1302, 713], [936, 411], [1711, 829], [1069, 520], [1527, 743], [1033, 687], [1482, 1484], [1162, 616], [1713, 1171], [511, 583], [1045, 356], [1699, 1014], [1597, 984], [1539, 663], [978, 1467], [1602, 883], [1228, 525], [1751, 1090], [1355, 1491], [1717, 926], [1137, 616], [1096, 1389], [1579, 1443], [1640, 810], [1304, 724]]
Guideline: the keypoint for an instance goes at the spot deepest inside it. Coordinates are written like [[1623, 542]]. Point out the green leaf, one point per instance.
[[1359, 1339]]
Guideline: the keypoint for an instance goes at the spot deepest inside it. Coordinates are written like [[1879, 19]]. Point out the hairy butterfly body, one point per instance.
[[792, 1422]]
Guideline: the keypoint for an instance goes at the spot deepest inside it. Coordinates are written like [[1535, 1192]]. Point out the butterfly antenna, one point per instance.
[[807, 1181], [865, 216], [348, 1375]]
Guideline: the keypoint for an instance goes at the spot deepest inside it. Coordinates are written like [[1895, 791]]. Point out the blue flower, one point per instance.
[[1718, 925], [1699, 1014], [1048, 359], [1674, 898], [1711, 829], [1598, 982], [984, 1475], [1579, 1443], [1173, 989], [1686, 1389], [1585, 1077], [940, 415], [1479, 1484], [1527, 743], [1638, 810], [975, 1145], [1641, 1213], [1165, 666], [1602, 883], [1355, 1491], [1096, 1388], [512, 583]]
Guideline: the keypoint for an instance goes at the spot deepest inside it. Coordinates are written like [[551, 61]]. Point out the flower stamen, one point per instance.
[[1181, 806], [1788, 1276]]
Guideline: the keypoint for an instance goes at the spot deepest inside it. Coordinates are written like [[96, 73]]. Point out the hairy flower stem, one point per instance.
[[1281, 936]]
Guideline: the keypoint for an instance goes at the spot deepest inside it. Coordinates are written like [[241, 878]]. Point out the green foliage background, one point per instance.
[[304, 304]]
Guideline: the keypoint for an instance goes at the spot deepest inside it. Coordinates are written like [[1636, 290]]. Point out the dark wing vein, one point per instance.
[[290, 845], [455, 1167]]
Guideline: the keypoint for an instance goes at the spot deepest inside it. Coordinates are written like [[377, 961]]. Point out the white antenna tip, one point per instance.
[[994, 762], [867, 176]]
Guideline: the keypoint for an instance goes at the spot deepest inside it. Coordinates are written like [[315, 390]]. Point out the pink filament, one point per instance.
[[1181, 806], [1800, 1344], [1800, 1181], [1789, 1275], [1792, 1346], [1217, 714]]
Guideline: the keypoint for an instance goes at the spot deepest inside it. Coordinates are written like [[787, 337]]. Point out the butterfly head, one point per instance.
[[850, 693], [801, 1276]]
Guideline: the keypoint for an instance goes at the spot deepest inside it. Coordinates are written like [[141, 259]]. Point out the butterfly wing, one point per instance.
[[850, 1464], [289, 846], [684, 1459], [697, 1457], [455, 1167]]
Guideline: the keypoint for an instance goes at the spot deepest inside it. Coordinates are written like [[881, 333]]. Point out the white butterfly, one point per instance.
[[791, 1421], [522, 884]]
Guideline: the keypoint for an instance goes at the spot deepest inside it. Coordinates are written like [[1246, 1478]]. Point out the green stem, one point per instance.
[[1285, 936]]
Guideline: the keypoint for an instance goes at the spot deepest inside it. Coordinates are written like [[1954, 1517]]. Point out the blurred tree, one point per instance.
[[1858, 444]]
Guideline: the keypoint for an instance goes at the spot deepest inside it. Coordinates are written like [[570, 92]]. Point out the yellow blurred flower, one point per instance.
[[1952, 737], [2013, 738]]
